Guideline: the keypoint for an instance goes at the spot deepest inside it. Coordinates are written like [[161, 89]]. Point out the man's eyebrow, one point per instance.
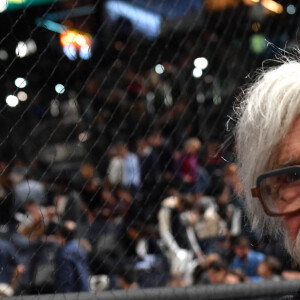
[[287, 163]]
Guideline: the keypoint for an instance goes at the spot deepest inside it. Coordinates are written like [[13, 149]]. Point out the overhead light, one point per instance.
[[251, 2], [12, 101], [3, 54], [26, 48], [31, 46], [59, 88], [21, 49], [85, 52], [159, 69], [197, 73], [291, 9], [201, 63], [70, 52], [20, 82], [22, 96], [272, 6], [3, 5]]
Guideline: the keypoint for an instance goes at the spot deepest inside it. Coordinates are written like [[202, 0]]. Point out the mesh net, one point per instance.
[[113, 116]]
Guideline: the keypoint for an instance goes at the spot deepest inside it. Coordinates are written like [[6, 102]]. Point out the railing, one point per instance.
[[266, 290]]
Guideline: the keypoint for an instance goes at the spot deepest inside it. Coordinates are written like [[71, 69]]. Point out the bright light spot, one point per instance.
[[85, 52], [258, 43], [3, 55], [143, 20], [159, 69], [83, 136], [272, 6], [3, 5], [200, 98], [70, 52], [21, 49], [80, 40], [217, 100], [22, 96], [31, 46], [12, 101], [59, 88], [291, 9], [76, 39], [197, 73], [20, 82], [201, 63], [54, 108], [250, 2]]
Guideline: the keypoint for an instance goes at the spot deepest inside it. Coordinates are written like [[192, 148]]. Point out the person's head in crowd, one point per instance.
[[66, 231], [142, 146], [200, 271], [192, 146], [122, 149], [183, 201], [216, 272], [241, 247], [92, 204], [231, 177], [128, 278], [31, 206], [269, 267], [268, 151], [235, 276], [155, 139]]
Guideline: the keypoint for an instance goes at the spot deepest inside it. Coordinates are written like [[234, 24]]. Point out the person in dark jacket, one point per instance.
[[71, 262]]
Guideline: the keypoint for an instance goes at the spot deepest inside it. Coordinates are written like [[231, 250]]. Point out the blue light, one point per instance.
[[85, 52], [70, 52], [144, 21]]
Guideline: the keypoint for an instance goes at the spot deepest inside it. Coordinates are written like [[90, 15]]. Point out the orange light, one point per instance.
[[78, 40], [255, 26], [251, 2], [216, 5], [272, 6]]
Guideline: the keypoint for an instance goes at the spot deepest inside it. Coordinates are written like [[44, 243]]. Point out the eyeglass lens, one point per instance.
[[281, 193]]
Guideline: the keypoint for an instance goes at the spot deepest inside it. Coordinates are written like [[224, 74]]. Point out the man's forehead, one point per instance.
[[287, 152]]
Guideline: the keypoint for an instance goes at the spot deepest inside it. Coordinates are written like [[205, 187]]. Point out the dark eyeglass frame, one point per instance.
[[255, 191]]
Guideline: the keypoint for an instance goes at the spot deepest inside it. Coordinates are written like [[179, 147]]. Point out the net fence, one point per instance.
[[116, 148]]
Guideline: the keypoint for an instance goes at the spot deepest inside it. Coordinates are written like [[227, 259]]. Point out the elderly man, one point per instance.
[[268, 152]]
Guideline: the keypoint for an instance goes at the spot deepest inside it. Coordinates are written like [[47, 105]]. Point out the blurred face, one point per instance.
[[241, 251], [215, 276], [263, 270], [288, 154], [231, 279]]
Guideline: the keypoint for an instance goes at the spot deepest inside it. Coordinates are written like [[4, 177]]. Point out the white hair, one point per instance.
[[269, 107]]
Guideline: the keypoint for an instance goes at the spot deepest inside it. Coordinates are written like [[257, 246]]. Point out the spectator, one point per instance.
[[72, 271], [11, 268], [245, 258], [188, 167], [176, 228], [131, 172], [217, 272], [235, 276], [270, 269]]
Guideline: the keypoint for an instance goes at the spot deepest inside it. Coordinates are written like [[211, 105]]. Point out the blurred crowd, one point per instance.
[[160, 217], [121, 183]]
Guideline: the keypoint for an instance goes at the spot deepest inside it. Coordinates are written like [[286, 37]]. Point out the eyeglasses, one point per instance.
[[279, 191]]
